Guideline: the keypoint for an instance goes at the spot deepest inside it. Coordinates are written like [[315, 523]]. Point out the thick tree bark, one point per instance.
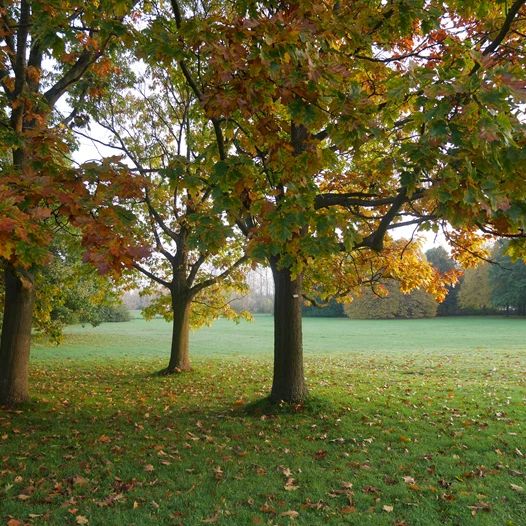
[[15, 339], [288, 383], [179, 354]]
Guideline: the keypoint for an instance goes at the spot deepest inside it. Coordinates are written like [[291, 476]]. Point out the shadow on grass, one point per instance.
[[312, 406]]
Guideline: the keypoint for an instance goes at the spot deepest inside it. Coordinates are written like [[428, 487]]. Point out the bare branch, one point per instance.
[[212, 281], [152, 276]]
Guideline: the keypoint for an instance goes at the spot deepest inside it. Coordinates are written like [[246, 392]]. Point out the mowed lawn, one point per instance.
[[418, 422]]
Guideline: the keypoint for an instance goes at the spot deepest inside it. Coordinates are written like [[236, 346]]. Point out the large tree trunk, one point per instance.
[[15, 340], [288, 383], [179, 355]]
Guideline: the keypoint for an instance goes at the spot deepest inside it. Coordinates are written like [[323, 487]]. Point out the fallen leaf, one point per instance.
[[480, 506], [409, 480], [371, 489], [309, 505], [79, 481], [81, 519], [14, 522], [149, 468], [212, 519], [293, 514], [267, 508], [517, 488], [286, 471], [291, 484], [387, 508]]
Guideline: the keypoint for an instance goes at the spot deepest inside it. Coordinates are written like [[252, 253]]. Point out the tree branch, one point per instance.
[[220, 140], [376, 239], [514, 9], [158, 219], [85, 60], [194, 269], [212, 281], [506, 26], [152, 276], [350, 199]]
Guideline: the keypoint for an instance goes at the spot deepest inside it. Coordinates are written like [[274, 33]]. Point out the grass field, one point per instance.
[[144, 340], [416, 423]]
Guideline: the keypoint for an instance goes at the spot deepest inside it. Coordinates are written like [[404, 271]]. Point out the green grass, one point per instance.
[[424, 416], [140, 339]]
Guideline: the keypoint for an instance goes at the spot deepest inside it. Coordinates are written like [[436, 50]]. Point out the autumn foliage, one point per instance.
[[315, 131]]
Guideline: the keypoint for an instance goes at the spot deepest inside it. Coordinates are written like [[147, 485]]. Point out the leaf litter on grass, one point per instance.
[[377, 445]]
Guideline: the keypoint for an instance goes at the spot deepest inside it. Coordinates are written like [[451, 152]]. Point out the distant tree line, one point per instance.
[[495, 286], [388, 302]]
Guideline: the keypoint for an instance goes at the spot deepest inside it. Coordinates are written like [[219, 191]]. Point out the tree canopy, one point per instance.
[[302, 134]]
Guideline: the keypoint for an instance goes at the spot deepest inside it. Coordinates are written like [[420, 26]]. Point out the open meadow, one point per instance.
[[414, 422]]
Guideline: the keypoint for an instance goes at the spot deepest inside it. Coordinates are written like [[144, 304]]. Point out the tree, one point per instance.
[[440, 259], [508, 281], [389, 302], [331, 134], [197, 257], [475, 289], [68, 290], [46, 48]]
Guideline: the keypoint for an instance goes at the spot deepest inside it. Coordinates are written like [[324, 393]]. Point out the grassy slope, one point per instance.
[[439, 402]]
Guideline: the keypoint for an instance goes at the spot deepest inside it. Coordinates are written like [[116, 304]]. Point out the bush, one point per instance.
[[332, 310], [114, 313]]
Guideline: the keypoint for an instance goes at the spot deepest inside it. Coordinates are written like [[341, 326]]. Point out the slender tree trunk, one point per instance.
[[15, 339], [179, 354], [289, 382]]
